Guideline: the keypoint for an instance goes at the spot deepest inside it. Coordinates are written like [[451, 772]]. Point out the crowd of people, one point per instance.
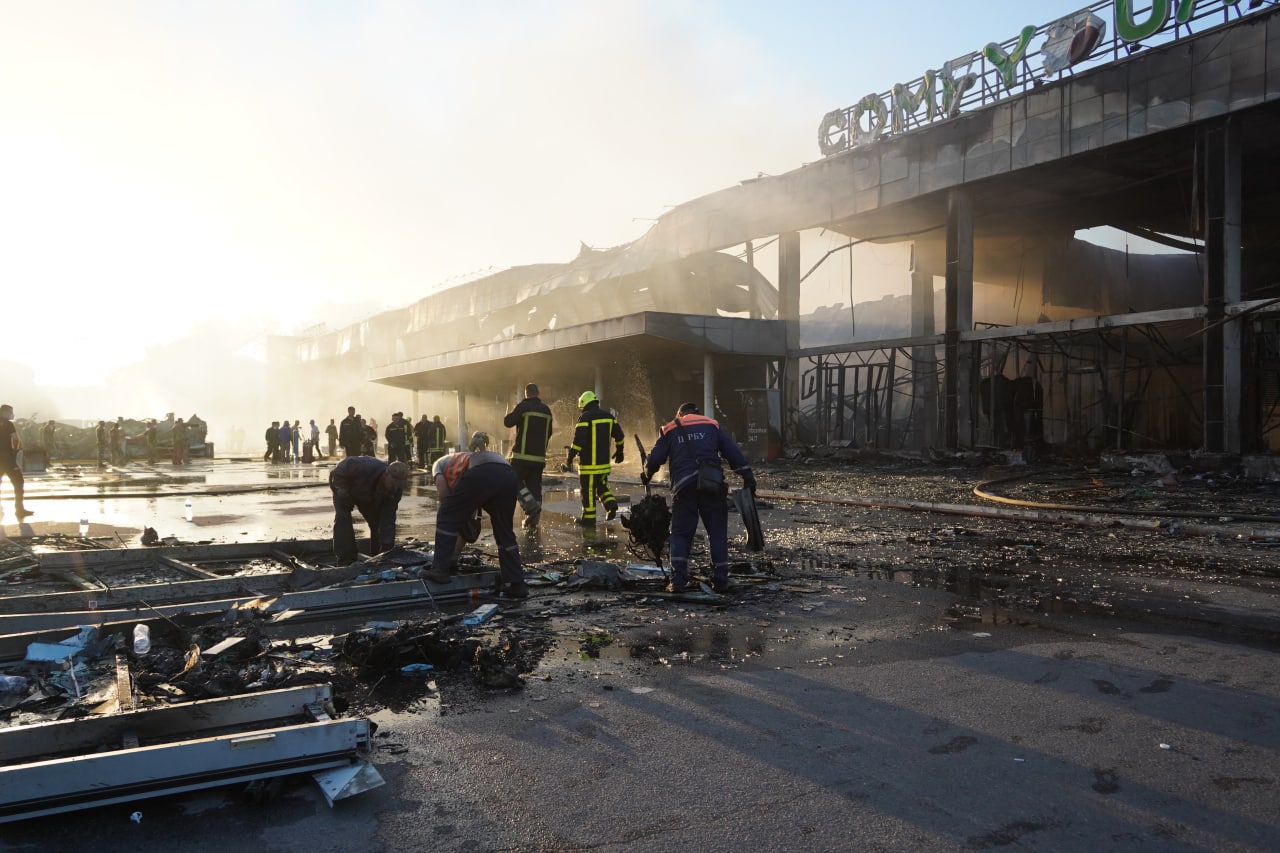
[[419, 444]]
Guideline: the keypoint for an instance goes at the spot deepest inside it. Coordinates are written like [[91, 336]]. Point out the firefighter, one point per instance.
[[596, 426], [436, 442], [532, 420], [689, 441]]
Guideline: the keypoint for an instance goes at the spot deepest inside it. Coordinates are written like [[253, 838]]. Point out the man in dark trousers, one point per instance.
[[397, 439], [596, 426], [422, 438], [273, 443], [351, 434], [373, 487], [481, 480], [532, 420], [10, 444], [435, 446], [690, 438]]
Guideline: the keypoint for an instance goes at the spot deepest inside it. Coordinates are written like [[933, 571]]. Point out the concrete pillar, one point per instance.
[[462, 432], [1223, 340], [415, 409], [959, 310], [708, 385], [789, 313], [599, 386], [928, 259]]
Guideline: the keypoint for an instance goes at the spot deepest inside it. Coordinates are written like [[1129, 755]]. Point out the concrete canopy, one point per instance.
[[657, 340]]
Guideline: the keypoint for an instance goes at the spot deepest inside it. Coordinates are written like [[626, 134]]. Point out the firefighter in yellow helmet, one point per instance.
[[591, 437]]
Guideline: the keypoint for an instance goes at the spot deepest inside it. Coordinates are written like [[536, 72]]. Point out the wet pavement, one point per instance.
[[877, 679]]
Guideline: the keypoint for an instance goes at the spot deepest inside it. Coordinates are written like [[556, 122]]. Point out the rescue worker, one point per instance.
[[331, 431], [596, 426], [687, 440], [273, 443], [436, 448], [422, 434], [532, 421], [10, 445], [397, 439], [150, 436], [101, 433], [351, 434], [373, 487], [466, 482], [181, 443], [117, 441], [286, 439]]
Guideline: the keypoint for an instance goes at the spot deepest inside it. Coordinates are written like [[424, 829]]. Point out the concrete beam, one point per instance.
[[959, 316], [1221, 208]]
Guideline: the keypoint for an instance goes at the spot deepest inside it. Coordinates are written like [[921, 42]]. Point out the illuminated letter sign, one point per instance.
[[1129, 30], [907, 104], [1007, 63], [1067, 42], [953, 89], [872, 108], [833, 122]]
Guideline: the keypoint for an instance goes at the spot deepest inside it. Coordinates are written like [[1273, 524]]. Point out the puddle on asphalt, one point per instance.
[[717, 644]]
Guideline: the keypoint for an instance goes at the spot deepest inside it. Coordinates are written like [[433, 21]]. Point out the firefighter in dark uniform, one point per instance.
[[596, 426], [436, 442], [690, 438], [467, 482], [373, 487], [532, 420]]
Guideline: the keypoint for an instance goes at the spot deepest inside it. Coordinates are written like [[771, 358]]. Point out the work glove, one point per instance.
[[645, 477], [567, 465], [617, 455], [749, 483]]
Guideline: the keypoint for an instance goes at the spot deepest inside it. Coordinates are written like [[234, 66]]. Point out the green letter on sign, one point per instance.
[[1130, 31], [1007, 63]]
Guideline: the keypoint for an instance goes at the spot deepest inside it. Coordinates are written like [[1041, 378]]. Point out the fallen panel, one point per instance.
[[66, 737], [69, 784], [57, 767]]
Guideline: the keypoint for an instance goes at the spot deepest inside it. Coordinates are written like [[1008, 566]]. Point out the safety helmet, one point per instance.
[[586, 397]]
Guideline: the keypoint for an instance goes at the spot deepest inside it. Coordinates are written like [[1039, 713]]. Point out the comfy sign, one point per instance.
[[1067, 42]]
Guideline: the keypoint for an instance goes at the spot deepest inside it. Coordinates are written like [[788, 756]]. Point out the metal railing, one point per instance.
[[1016, 66]]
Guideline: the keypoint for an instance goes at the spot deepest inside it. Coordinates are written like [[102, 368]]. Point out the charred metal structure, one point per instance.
[[1158, 123]]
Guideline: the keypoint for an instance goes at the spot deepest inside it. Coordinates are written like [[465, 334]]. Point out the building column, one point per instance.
[[789, 313], [708, 385], [463, 437], [415, 409], [599, 382], [958, 360], [928, 259], [1223, 339]]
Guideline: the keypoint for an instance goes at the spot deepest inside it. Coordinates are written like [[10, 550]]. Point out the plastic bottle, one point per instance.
[[527, 501], [13, 684], [84, 525], [190, 514], [141, 639]]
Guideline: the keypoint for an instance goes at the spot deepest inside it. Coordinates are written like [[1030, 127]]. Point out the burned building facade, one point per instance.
[[1014, 327]]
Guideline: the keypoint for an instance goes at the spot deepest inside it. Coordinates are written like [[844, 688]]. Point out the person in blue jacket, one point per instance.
[[692, 437]]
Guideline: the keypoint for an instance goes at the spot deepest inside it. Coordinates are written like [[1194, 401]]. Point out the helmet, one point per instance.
[[587, 397], [479, 441]]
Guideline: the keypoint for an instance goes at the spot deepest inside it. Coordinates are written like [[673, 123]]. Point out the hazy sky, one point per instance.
[[162, 162]]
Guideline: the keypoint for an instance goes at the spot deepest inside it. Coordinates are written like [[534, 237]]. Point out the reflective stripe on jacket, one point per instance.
[[532, 420], [596, 426]]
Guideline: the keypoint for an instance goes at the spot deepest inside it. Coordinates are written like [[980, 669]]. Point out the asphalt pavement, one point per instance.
[[833, 703]]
